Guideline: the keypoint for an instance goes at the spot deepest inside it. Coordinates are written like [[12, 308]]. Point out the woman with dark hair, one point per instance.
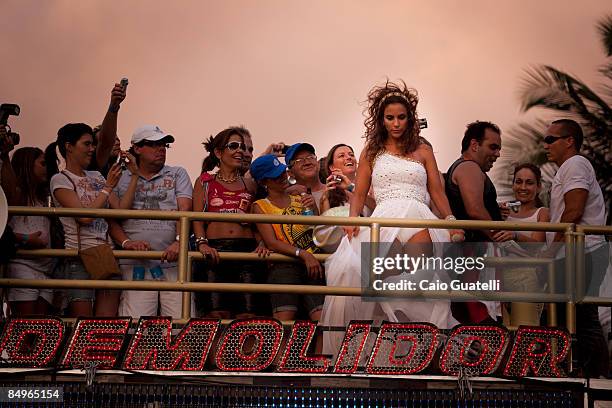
[[77, 187], [341, 166], [526, 185], [401, 170], [32, 232], [227, 191]]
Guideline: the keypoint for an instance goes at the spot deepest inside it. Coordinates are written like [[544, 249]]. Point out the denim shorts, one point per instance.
[[74, 269], [235, 272], [293, 274]]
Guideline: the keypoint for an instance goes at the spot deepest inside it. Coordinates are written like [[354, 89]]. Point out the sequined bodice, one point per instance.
[[396, 177]]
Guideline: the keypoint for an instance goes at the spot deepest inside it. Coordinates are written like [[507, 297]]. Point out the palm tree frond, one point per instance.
[[547, 87], [606, 71], [604, 26]]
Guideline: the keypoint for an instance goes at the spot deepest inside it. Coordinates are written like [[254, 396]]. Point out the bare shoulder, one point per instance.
[[468, 170], [250, 184], [468, 166], [364, 158], [255, 209], [424, 151], [544, 215]]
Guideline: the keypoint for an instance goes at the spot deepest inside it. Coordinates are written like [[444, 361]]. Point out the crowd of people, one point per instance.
[[396, 176]]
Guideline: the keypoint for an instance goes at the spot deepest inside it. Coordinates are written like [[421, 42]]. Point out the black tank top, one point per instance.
[[489, 197]]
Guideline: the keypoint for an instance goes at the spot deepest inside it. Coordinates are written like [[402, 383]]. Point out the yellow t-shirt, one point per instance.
[[297, 235]]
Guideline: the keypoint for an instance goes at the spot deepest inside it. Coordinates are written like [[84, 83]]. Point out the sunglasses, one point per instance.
[[308, 159], [236, 146], [552, 139], [155, 144]]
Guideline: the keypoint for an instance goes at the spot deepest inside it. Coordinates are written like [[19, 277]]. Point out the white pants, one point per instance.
[[19, 271], [138, 303]]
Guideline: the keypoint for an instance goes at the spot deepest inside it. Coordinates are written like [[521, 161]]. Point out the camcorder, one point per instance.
[[6, 110]]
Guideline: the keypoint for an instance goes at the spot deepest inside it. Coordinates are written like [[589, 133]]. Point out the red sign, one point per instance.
[[257, 344]]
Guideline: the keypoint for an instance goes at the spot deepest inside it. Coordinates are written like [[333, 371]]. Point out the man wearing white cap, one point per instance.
[[160, 187]]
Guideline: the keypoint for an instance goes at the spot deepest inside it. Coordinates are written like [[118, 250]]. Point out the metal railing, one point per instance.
[[574, 241], [581, 276]]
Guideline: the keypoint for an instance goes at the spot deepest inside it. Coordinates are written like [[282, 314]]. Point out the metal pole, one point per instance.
[[374, 247], [287, 219], [570, 280], [186, 313], [183, 258], [580, 265], [552, 307], [570, 287]]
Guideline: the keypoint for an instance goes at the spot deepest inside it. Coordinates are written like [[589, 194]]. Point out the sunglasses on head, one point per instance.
[[236, 146], [552, 139]]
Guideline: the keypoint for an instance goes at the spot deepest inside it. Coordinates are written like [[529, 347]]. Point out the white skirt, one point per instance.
[[343, 269]]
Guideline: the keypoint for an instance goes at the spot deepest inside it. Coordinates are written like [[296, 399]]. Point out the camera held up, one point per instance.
[[6, 110]]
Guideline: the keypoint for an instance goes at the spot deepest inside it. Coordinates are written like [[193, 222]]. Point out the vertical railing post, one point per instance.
[[184, 264], [186, 305], [580, 265], [374, 246], [551, 316], [570, 287]]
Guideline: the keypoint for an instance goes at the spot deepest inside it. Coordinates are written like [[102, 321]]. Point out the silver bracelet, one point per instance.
[[297, 252], [123, 243], [450, 218]]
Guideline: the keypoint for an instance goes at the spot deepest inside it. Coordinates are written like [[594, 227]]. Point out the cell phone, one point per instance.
[[124, 82], [121, 162]]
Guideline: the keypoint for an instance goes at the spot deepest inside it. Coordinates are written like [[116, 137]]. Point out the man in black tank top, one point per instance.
[[471, 193], [472, 196]]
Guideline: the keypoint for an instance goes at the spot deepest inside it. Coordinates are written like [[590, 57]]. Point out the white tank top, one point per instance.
[[531, 218]]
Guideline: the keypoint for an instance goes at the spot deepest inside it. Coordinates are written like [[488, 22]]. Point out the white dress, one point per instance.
[[400, 191]]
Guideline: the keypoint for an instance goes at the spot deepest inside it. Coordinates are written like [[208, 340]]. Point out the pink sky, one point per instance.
[[288, 70]]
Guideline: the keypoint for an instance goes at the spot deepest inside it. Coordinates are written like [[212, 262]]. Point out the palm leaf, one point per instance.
[[547, 87], [606, 71], [604, 26]]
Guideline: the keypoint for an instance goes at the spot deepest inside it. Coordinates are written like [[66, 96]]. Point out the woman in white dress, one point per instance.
[[401, 170]]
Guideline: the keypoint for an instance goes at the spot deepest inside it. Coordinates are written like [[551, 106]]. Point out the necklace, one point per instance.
[[228, 180]]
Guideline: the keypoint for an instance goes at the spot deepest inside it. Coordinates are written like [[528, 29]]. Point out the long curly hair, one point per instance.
[[376, 134]]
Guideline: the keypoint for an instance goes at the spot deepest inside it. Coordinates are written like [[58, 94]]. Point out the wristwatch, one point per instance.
[[351, 187], [201, 240]]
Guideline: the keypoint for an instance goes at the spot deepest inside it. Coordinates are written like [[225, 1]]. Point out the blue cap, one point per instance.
[[267, 167], [294, 149]]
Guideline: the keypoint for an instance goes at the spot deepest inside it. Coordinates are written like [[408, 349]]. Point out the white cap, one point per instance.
[[152, 133]]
